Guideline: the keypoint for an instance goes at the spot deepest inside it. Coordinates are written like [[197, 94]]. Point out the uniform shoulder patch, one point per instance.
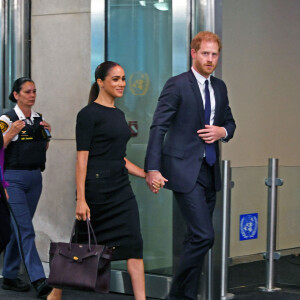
[[3, 126]]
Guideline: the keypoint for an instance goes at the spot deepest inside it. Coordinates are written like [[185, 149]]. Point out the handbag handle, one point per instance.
[[89, 230]]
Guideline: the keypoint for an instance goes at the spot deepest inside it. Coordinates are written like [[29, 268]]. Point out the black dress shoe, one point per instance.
[[41, 287], [16, 285]]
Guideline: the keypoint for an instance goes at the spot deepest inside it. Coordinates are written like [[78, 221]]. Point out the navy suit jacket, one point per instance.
[[174, 147]]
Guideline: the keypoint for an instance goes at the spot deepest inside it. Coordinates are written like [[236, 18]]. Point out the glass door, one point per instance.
[[14, 46], [139, 38], [150, 40]]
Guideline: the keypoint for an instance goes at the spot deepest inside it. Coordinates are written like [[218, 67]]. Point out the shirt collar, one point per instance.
[[199, 77], [21, 116]]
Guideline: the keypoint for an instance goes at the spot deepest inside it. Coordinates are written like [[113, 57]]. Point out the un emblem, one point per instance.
[[139, 83], [248, 226]]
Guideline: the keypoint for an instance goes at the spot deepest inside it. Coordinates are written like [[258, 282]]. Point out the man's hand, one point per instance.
[[152, 177], [211, 133]]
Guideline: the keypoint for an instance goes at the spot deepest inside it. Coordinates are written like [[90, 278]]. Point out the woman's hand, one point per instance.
[[46, 125], [153, 179], [156, 186], [16, 127], [82, 210]]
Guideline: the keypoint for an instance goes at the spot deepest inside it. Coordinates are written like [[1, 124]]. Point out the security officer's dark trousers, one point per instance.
[[196, 207]]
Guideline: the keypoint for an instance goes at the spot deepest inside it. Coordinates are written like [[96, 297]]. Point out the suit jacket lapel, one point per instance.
[[198, 97], [217, 98]]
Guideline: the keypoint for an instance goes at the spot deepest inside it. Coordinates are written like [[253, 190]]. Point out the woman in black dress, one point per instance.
[[104, 193]]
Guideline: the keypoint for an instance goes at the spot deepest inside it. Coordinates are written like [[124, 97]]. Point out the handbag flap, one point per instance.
[[78, 252]]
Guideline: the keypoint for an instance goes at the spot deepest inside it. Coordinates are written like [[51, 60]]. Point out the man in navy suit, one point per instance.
[[191, 116]]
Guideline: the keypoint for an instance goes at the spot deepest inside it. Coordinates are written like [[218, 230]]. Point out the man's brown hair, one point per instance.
[[205, 36]]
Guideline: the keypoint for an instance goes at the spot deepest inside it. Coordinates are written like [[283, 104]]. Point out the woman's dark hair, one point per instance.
[[17, 86], [100, 73]]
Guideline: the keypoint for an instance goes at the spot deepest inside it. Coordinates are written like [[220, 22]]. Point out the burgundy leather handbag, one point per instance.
[[80, 266]]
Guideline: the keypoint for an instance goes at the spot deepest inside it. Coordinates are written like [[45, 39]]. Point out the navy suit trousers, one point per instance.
[[196, 207]]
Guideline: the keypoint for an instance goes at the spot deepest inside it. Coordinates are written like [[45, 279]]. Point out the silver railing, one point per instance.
[[271, 255], [226, 189], [215, 280], [272, 182]]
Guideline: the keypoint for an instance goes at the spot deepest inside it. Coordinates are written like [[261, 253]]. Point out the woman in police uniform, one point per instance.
[[26, 137]]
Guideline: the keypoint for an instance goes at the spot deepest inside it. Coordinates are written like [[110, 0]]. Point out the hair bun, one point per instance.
[[11, 97]]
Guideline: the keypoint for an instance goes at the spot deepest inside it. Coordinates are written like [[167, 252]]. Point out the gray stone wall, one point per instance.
[[264, 96], [60, 67]]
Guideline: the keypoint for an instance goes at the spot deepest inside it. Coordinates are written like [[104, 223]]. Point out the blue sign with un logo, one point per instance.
[[248, 226]]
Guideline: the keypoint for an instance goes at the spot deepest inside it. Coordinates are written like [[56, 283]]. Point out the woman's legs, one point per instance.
[[55, 294], [136, 271]]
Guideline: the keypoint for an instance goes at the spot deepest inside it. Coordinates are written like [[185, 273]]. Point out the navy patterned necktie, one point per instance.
[[210, 151]]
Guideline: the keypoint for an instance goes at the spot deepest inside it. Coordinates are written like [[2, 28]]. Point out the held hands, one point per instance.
[[155, 181], [211, 133], [82, 210], [156, 186]]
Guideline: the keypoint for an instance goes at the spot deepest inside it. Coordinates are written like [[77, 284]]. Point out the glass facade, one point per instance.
[[14, 47], [139, 38], [150, 40]]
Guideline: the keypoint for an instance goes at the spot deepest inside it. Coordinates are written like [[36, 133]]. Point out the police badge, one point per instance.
[[3, 126]]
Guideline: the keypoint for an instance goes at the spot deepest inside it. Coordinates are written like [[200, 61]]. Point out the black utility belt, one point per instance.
[[23, 168]]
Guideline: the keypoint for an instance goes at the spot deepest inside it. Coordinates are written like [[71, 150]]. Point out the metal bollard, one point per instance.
[[206, 281], [210, 275], [227, 185], [272, 182]]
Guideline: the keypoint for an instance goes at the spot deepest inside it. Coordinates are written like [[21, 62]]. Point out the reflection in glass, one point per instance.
[[161, 5]]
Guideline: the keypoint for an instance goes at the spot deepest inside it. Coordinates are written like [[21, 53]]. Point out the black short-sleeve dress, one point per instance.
[[104, 132]]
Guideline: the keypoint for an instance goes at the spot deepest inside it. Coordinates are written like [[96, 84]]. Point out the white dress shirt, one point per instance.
[[201, 83]]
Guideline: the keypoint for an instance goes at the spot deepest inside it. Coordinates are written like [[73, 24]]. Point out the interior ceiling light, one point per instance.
[[161, 5], [142, 2]]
